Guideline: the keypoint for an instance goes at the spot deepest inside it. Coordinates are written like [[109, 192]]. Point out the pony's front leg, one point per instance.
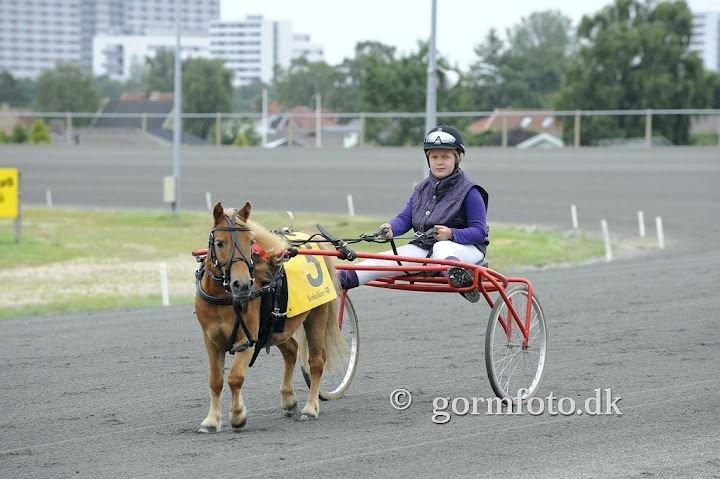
[[216, 357], [289, 351], [238, 412]]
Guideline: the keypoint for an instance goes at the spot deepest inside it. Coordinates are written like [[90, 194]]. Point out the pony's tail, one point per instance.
[[336, 348]]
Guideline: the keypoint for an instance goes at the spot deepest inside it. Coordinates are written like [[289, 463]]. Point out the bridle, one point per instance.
[[238, 306], [233, 228]]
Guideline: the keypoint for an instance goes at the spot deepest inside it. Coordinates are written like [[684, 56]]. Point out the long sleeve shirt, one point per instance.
[[473, 209]]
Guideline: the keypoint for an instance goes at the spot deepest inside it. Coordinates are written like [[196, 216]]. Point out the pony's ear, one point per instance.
[[244, 212], [218, 211]]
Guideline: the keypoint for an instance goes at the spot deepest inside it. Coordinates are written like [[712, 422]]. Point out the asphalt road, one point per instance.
[[121, 393]]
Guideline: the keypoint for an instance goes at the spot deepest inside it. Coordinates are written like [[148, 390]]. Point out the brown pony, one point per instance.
[[319, 342]]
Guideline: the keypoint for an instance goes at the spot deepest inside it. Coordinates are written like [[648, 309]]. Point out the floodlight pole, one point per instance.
[[431, 95], [177, 109]]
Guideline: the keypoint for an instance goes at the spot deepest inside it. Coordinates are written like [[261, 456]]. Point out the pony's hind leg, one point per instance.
[[289, 351], [236, 378], [315, 334], [216, 358]]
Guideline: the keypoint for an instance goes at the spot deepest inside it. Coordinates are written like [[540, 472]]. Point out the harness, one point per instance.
[[274, 294]]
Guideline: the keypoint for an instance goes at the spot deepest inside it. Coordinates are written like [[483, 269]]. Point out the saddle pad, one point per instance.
[[309, 281]]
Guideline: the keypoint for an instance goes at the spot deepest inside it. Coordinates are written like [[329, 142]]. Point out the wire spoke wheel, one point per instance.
[[334, 384], [515, 372]]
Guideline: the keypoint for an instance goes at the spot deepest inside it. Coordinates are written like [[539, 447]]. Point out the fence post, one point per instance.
[[218, 129], [318, 121], [577, 129], [291, 131], [504, 132], [68, 127], [718, 130], [361, 140], [143, 123], [648, 128]]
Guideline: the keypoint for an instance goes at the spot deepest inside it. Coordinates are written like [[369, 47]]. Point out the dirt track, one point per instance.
[[122, 393]]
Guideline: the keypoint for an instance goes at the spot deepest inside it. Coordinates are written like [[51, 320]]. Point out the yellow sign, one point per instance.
[[309, 281], [9, 192]]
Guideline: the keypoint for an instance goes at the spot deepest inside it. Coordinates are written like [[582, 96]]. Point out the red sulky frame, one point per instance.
[[485, 279]]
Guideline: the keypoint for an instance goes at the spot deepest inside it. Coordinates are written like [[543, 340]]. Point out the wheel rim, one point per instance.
[[334, 383], [511, 367]]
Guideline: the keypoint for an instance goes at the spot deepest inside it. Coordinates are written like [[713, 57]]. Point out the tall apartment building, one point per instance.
[[706, 39], [251, 48], [38, 34], [115, 55]]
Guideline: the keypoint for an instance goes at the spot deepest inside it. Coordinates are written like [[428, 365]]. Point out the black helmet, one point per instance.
[[444, 136]]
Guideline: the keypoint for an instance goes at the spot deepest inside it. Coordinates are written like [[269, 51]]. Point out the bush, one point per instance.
[[3, 137], [19, 134], [240, 139], [39, 132], [704, 139]]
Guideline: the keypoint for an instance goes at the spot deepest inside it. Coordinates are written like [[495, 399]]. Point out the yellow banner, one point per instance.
[[9, 190], [309, 281]]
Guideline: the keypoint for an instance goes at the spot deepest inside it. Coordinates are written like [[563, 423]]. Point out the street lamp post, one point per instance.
[[431, 94], [177, 120]]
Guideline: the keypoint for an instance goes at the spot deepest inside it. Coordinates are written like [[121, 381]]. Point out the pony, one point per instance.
[[242, 258]]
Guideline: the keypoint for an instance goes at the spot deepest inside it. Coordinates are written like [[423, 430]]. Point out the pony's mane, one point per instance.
[[270, 242]]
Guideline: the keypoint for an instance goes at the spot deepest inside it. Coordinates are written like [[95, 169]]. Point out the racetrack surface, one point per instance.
[[121, 393]]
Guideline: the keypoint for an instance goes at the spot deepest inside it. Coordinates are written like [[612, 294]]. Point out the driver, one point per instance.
[[446, 200]]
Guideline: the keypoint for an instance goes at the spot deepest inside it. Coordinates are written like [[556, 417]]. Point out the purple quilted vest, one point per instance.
[[439, 202]]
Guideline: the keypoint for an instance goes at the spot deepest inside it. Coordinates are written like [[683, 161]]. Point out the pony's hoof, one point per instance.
[[290, 412], [306, 417], [207, 430], [238, 427]]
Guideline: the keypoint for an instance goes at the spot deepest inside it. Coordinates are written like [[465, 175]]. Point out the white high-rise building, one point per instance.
[[115, 55], [38, 34], [251, 48], [706, 39], [303, 47], [158, 16]]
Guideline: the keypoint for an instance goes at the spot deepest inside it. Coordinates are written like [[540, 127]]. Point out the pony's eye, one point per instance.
[[219, 244]]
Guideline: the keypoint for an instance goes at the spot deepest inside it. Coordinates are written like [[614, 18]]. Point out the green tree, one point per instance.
[[485, 79], [635, 55], [16, 91], [138, 76], [298, 85], [108, 88], [19, 134], [537, 59], [387, 83], [39, 132], [248, 97], [207, 88], [528, 70], [66, 88], [160, 75]]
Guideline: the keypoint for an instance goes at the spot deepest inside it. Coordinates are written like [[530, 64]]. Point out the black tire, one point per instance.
[[334, 386], [499, 355]]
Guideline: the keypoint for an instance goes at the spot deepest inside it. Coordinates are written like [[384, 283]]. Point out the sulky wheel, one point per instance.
[[510, 367], [335, 384]]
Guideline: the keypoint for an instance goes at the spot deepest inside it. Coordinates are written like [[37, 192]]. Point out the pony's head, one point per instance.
[[230, 249]]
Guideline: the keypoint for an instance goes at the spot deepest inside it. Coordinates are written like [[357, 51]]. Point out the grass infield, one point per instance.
[[88, 260]]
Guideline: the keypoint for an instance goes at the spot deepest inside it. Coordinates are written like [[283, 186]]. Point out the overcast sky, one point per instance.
[[461, 24]]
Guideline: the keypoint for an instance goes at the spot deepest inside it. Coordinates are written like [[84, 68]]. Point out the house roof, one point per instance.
[[535, 120], [542, 141]]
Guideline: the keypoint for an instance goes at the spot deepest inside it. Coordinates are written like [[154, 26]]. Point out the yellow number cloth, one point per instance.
[[309, 281]]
